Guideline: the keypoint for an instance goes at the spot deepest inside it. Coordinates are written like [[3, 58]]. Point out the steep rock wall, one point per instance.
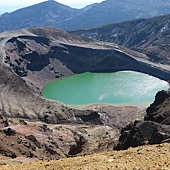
[[39, 60]]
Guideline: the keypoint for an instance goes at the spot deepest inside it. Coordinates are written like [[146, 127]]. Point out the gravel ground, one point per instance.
[[151, 157]]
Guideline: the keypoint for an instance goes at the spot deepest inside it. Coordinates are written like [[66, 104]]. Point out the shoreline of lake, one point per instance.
[[118, 89]]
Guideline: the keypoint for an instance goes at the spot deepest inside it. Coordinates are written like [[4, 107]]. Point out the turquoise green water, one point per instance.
[[119, 88]]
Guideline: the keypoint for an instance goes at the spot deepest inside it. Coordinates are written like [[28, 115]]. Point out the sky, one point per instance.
[[11, 5]]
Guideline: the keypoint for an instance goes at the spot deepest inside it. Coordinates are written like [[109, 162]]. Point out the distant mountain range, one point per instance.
[[52, 13], [46, 13], [148, 36]]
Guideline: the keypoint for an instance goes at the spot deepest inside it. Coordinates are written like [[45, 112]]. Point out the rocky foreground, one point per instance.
[[153, 157]]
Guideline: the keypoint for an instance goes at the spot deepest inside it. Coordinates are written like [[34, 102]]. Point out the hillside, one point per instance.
[[147, 157], [34, 128], [42, 14], [114, 11], [148, 36], [52, 13]]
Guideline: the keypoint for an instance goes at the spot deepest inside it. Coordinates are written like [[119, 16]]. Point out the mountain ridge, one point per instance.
[[45, 12], [148, 36], [52, 13]]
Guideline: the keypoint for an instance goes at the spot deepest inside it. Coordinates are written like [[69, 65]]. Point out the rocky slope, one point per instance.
[[114, 11], [155, 157], [30, 58], [148, 36], [40, 55], [61, 16], [44, 54], [154, 129], [19, 140], [45, 13]]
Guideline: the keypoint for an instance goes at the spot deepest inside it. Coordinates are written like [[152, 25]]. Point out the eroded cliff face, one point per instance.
[[31, 141], [154, 129], [148, 36], [38, 142], [18, 100], [39, 60]]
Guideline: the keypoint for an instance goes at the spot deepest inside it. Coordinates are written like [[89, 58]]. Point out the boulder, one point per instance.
[[9, 132], [158, 111], [3, 121], [141, 133]]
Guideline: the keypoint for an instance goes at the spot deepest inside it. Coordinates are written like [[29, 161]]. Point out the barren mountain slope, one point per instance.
[[154, 157], [30, 59], [61, 16], [43, 54], [149, 36]]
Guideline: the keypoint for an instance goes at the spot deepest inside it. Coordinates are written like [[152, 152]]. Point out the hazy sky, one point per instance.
[[10, 5]]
